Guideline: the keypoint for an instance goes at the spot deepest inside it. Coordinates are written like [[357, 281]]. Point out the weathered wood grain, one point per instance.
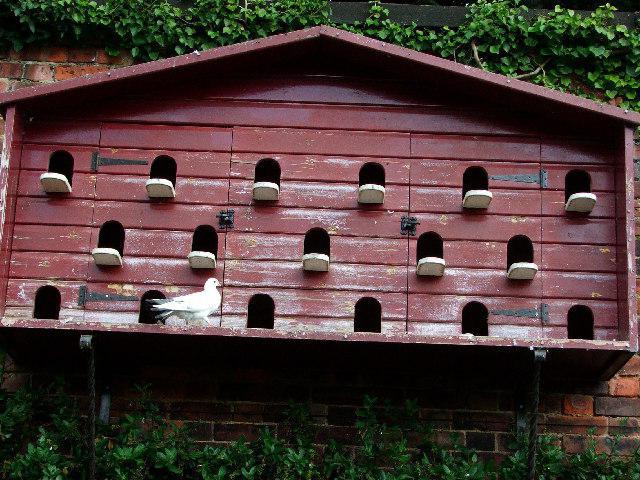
[[170, 137], [475, 147]]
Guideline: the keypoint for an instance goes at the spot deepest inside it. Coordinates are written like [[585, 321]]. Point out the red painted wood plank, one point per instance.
[[66, 315], [480, 227], [9, 168], [462, 281], [125, 135], [320, 168], [83, 186], [70, 132], [581, 230], [320, 195], [327, 142], [564, 150], [579, 285], [49, 265], [53, 238], [207, 164], [293, 113], [160, 243], [54, 211], [36, 157], [475, 147], [448, 309], [153, 271], [469, 253], [304, 325], [257, 246], [512, 332], [553, 204], [448, 173], [188, 190], [363, 223], [130, 320], [315, 303], [157, 215], [341, 276], [449, 200], [578, 258], [22, 292], [602, 176], [602, 334]]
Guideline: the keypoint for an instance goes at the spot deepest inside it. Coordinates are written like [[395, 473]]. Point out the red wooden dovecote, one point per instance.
[[324, 143]]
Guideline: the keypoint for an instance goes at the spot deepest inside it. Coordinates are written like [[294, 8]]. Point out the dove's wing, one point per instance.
[[187, 303]]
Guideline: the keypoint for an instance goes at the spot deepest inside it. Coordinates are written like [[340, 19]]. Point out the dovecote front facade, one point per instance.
[[340, 188]]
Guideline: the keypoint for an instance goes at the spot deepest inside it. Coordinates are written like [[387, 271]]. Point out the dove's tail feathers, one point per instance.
[[160, 317], [157, 301]]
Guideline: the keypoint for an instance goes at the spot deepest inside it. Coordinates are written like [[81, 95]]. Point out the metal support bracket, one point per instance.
[[84, 296], [542, 312], [87, 345], [226, 218], [408, 225], [97, 161], [541, 178], [539, 357]]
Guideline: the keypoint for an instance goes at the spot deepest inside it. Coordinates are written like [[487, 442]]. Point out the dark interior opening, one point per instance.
[[147, 315], [62, 162], [47, 303], [519, 249], [368, 315], [112, 236], [317, 241], [205, 239], [261, 311], [474, 178], [475, 319], [372, 173], [164, 167], [267, 170], [429, 245], [580, 322], [576, 181]]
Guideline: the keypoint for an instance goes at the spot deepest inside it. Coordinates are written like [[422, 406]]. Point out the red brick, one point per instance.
[[481, 441], [625, 387], [82, 55], [633, 365], [4, 85], [624, 426], [106, 59], [39, 73], [573, 444], [10, 70], [568, 424], [65, 72], [44, 54], [577, 405], [618, 406]]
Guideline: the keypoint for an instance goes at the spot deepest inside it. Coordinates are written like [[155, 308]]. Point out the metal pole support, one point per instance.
[[87, 345], [539, 357]]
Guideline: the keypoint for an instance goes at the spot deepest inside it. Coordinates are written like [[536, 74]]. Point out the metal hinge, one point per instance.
[[84, 296], [541, 178], [542, 312], [408, 225], [225, 218], [98, 161]]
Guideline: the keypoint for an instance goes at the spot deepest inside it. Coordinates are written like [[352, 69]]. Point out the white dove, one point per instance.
[[194, 307]]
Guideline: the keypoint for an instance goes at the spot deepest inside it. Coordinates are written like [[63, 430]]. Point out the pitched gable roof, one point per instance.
[[497, 87]]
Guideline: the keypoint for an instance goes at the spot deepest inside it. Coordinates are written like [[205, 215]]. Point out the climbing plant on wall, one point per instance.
[[585, 55]]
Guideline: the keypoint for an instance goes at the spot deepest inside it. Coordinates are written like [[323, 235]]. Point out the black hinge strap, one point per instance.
[[226, 218], [541, 178], [98, 161], [84, 296], [408, 225], [542, 312]]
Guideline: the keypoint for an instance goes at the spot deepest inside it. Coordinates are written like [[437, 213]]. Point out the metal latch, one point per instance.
[[84, 296], [541, 178], [408, 225], [542, 312], [97, 161], [225, 218]]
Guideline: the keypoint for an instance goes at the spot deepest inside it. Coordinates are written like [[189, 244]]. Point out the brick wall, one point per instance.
[[224, 402]]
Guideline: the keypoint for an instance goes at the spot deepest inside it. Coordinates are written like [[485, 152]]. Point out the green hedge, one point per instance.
[[41, 439], [588, 56]]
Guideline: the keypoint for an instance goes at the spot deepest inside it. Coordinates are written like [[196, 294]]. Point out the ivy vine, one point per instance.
[[586, 55]]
